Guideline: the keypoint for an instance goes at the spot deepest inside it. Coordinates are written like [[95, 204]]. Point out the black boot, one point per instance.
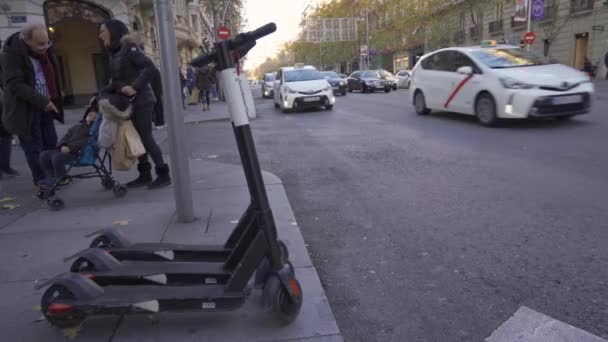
[[144, 178], [163, 179]]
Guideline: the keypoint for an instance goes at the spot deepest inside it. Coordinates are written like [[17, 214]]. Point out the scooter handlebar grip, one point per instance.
[[262, 31]]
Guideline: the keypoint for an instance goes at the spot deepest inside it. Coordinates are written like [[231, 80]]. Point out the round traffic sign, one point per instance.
[[223, 32], [529, 37]]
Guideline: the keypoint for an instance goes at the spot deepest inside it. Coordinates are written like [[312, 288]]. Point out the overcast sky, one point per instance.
[[285, 13]]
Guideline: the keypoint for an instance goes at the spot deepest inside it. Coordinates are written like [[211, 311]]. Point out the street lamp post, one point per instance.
[[172, 90], [367, 36]]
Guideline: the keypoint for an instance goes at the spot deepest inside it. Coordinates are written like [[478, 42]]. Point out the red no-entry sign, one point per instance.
[[529, 37], [223, 32]]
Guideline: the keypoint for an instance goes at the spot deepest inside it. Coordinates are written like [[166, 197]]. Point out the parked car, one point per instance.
[[343, 76], [496, 82], [268, 86], [338, 84], [390, 79], [403, 79], [302, 86], [367, 81]]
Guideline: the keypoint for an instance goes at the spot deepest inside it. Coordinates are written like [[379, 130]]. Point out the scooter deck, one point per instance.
[[149, 299], [169, 252], [161, 273]]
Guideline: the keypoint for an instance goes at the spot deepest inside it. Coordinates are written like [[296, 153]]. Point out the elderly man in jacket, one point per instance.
[[32, 93]]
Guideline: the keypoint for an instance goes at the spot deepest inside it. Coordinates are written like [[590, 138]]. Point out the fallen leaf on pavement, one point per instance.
[[213, 156], [40, 319], [71, 333], [7, 199], [10, 206], [121, 222], [37, 308]]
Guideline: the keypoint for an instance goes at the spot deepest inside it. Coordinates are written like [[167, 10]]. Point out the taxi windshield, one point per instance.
[[303, 75], [509, 58], [269, 78], [385, 73]]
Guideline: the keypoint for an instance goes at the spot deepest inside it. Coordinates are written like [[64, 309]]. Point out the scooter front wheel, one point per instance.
[[67, 319], [102, 241], [286, 308]]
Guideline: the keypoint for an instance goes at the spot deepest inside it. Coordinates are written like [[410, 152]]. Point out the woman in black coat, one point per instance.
[[131, 72]]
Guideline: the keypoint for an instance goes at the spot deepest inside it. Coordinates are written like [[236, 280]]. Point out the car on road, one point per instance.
[[367, 81], [268, 86], [390, 79], [403, 79], [337, 83], [300, 87], [496, 82]]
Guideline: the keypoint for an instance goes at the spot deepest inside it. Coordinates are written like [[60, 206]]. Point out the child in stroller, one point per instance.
[[78, 148]]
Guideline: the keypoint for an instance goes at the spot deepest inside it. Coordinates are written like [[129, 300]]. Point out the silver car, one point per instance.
[[268, 86]]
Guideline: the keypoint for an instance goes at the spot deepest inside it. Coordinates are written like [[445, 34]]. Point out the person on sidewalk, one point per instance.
[[203, 83], [130, 66], [6, 140], [54, 161], [157, 89], [32, 93]]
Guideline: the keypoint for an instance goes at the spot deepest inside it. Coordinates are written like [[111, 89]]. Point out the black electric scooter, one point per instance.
[[131, 287]]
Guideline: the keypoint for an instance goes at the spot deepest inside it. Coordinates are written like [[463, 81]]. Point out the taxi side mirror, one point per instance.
[[465, 70]]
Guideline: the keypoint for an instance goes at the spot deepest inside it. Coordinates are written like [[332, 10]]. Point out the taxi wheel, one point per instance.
[[420, 104], [485, 110]]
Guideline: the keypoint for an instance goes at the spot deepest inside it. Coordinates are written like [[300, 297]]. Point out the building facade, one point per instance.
[[73, 28], [570, 31]]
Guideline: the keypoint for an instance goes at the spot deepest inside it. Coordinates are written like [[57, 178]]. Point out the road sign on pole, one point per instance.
[[529, 38], [223, 32]]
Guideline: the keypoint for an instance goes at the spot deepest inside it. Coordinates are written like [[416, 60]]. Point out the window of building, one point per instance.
[[180, 7], [194, 23], [581, 5], [546, 47], [498, 9]]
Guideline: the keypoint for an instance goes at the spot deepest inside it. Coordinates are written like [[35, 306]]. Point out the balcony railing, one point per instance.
[[581, 5], [518, 24], [496, 27], [475, 32], [458, 36]]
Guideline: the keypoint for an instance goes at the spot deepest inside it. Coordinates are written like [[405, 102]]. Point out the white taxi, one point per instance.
[[496, 82], [302, 87]]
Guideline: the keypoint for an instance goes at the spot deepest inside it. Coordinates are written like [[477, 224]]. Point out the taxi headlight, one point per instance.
[[327, 88], [290, 91], [511, 83]]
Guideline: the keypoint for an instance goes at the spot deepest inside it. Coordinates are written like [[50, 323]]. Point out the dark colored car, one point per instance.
[[367, 81], [337, 83]]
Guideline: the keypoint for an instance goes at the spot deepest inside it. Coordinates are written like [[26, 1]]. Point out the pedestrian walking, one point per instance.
[[203, 83], [6, 140], [32, 93], [131, 67]]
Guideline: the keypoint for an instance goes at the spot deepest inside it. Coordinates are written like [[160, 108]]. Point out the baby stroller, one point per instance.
[[88, 157]]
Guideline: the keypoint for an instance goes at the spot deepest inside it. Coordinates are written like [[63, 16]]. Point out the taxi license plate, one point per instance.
[[311, 99], [561, 100], [336, 88]]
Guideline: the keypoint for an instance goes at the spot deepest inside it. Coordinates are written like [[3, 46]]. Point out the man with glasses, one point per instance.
[[32, 93]]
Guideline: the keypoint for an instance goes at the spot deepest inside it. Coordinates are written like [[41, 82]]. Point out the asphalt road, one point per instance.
[[435, 228]]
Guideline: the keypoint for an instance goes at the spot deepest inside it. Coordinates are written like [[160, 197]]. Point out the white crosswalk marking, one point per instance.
[[527, 325]]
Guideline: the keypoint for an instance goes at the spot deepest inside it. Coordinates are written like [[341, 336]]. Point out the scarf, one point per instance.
[[49, 73]]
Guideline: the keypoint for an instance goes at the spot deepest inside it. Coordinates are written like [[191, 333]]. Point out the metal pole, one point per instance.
[[225, 8], [529, 21], [173, 106], [367, 37]]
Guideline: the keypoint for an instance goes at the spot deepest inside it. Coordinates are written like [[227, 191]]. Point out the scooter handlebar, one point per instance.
[[242, 42]]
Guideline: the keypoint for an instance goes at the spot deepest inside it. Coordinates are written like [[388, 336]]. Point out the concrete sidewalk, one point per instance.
[[33, 243]]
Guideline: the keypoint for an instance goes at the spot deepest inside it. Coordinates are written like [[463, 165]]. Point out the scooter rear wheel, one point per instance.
[[68, 320], [82, 265], [102, 241]]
